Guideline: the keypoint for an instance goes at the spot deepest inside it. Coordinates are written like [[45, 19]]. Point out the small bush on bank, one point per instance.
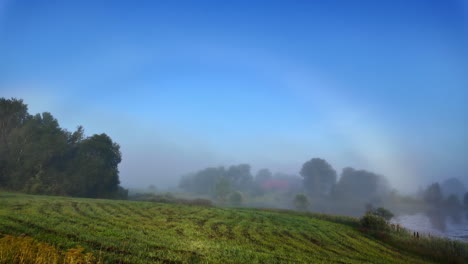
[[374, 222], [384, 213]]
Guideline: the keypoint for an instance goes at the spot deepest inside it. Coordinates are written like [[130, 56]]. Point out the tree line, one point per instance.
[[318, 182], [318, 187], [38, 156], [446, 200]]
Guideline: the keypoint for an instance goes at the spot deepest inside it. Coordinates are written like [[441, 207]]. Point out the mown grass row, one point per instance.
[[143, 232]]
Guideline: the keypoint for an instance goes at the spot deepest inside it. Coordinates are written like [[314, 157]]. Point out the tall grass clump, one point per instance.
[[438, 249], [25, 250]]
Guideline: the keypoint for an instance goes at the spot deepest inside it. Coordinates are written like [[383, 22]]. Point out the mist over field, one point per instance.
[[337, 107], [257, 131]]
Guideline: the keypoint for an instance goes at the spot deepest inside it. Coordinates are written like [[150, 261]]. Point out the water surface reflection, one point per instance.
[[435, 224]]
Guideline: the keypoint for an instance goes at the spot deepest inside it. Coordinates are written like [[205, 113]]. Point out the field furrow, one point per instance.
[[143, 232]]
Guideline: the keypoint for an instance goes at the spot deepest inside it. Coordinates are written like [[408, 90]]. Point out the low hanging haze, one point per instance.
[[183, 85]]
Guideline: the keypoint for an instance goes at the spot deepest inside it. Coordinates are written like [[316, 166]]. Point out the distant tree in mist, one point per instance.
[[361, 185], [214, 181], [203, 181], [185, 182], [453, 202], [319, 177], [222, 189], [465, 201], [263, 175], [433, 194], [440, 208], [239, 176], [453, 186], [453, 207]]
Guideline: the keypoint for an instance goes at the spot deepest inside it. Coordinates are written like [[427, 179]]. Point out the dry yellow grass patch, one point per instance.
[[25, 250]]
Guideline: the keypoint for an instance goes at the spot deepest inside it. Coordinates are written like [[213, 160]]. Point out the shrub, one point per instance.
[[374, 222], [384, 213], [301, 202]]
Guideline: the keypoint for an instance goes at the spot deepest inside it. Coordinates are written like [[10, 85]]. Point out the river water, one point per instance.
[[445, 227]]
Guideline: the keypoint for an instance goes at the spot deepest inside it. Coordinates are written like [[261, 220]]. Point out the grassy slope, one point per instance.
[[143, 232]]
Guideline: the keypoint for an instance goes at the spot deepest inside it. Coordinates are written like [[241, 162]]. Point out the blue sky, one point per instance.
[[377, 85]]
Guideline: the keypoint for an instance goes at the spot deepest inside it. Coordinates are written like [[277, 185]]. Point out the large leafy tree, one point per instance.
[[318, 176], [13, 114], [38, 156], [39, 146], [94, 172]]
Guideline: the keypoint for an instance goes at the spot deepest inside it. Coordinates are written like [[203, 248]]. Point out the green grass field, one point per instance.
[[144, 232]]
